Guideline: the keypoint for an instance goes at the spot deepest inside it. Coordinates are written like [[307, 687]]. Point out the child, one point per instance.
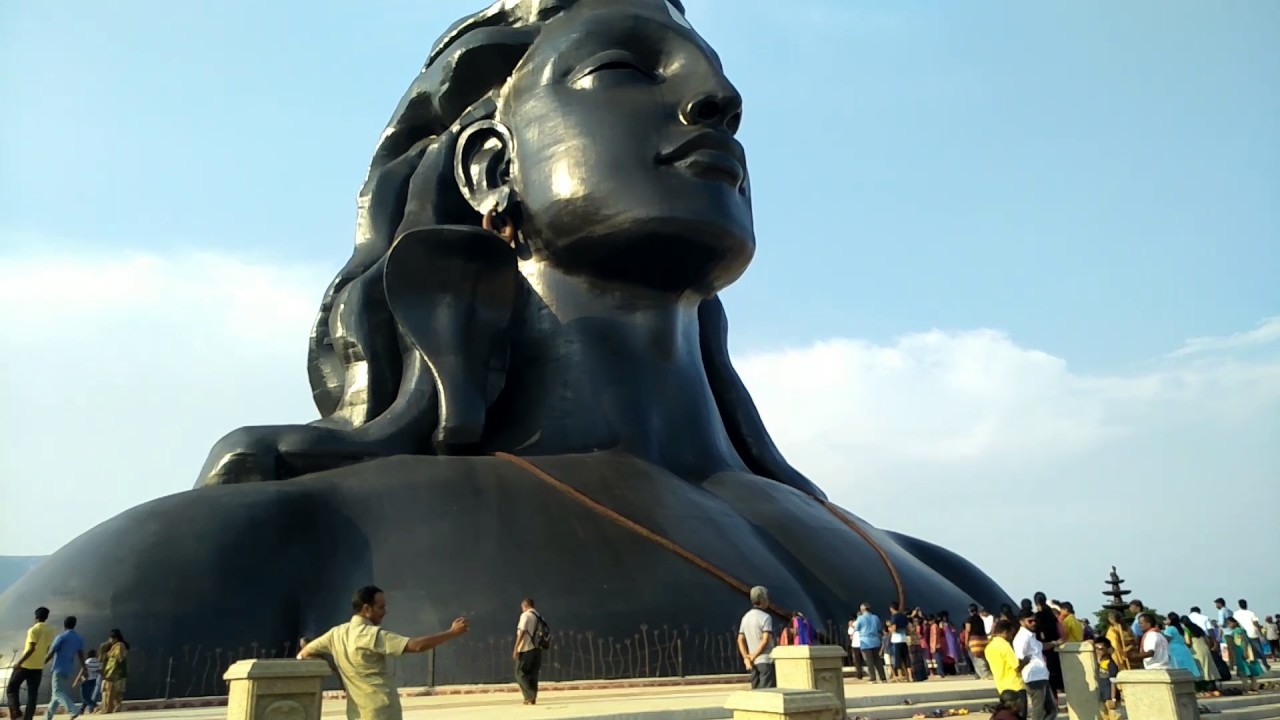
[[1108, 668], [1011, 707], [89, 678]]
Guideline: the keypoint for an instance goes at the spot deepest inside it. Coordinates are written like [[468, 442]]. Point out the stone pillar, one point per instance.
[[783, 704], [275, 689], [1159, 694], [1080, 678], [811, 667]]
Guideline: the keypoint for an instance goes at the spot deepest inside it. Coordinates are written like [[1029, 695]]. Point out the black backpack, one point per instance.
[[541, 633]]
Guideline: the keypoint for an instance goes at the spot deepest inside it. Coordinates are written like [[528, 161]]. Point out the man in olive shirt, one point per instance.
[[30, 666], [359, 650]]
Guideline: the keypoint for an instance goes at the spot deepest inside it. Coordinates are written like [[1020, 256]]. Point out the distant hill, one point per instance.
[[13, 567]]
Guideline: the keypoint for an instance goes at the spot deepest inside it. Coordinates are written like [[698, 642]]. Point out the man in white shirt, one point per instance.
[[531, 631], [1155, 646], [855, 652], [1199, 618], [1249, 621], [988, 620], [1041, 704]]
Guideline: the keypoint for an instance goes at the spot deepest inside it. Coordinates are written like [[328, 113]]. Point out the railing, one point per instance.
[[650, 652]]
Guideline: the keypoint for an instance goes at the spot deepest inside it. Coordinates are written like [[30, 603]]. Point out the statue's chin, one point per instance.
[[660, 259]]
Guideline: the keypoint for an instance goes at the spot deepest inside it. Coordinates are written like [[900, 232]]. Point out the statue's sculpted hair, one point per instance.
[[361, 367]]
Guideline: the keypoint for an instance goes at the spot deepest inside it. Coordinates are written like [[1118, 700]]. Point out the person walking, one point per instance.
[[89, 680], [115, 672], [1253, 629], [757, 636], [975, 638], [1244, 661], [67, 654], [533, 635], [870, 633], [29, 669], [359, 649]]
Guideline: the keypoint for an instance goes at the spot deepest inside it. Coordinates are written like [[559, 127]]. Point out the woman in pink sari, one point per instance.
[[949, 644]]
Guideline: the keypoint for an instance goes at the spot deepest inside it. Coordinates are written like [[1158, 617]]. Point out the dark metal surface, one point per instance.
[[604, 131]]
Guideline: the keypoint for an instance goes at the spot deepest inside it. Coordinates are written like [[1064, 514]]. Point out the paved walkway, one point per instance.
[[704, 702]]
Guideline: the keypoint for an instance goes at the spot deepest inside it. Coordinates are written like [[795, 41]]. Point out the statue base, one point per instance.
[[201, 579]]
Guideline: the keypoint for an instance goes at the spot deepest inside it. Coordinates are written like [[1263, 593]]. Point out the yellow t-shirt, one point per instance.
[[1004, 665], [1073, 629], [359, 649], [40, 635]]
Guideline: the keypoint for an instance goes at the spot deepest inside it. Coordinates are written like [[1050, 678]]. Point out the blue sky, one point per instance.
[[1062, 193]]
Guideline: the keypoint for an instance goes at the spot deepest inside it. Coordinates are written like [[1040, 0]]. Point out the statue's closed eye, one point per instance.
[[613, 61]]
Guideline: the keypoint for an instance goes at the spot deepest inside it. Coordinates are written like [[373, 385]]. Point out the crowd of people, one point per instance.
[[1018, 650], [99, 674], [1016, 647]]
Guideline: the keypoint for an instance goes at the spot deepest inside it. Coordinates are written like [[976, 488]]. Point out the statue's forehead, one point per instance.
[[595, 21]]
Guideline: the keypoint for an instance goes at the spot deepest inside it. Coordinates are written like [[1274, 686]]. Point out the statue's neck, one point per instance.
[[600, 367]]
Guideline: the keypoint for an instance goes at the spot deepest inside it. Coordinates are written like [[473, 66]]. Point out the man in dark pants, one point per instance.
[[531, 632], [756, 638], [30, 666], [870, 640], [898, 634], [1047, 632]]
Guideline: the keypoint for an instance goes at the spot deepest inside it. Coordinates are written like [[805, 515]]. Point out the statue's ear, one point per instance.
[[482, 166]]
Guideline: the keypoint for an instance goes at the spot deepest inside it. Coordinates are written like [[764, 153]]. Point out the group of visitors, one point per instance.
[[1028, 675], [1016, 648], [917, 646], [1019, 655], [1211, 649], [100, 674]]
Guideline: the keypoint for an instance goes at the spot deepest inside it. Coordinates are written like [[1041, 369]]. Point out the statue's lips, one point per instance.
[[711, 156]]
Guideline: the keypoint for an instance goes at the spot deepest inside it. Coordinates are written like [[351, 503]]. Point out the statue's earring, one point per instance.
[[501, 225]]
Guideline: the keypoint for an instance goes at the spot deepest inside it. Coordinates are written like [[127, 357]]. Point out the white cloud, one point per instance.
[[119, 373], [1043, 476], [1267, 333]]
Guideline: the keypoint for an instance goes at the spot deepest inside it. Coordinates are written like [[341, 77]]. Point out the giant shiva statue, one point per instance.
[[523, 382]]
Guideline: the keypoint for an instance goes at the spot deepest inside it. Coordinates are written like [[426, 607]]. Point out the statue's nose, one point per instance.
[[718, 111]]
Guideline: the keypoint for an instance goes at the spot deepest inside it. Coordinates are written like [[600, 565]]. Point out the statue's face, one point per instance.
[[625, 164]]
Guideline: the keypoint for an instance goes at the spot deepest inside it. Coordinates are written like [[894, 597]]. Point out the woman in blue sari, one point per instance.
[[1198, 641], [1179, 654]]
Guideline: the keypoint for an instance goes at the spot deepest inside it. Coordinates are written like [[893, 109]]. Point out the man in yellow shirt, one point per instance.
[[30, 666], [359, 650], [1002, 660], [1072, 628]]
